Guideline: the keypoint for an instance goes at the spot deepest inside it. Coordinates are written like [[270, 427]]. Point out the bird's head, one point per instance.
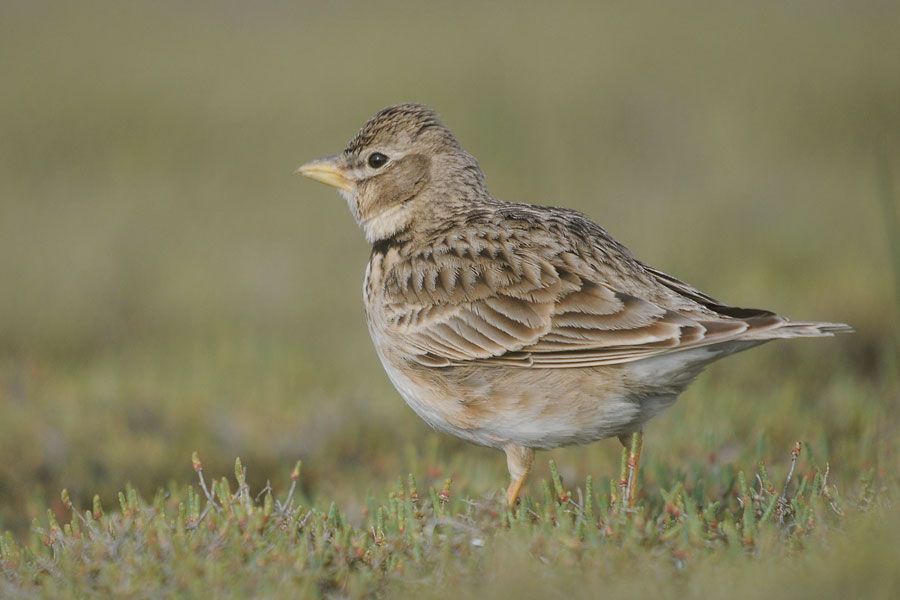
[[403, 163]]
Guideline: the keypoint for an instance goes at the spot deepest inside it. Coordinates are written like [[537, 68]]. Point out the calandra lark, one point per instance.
[[514, 326]]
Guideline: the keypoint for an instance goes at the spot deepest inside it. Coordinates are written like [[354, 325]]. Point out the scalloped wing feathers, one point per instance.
[[495, 296]]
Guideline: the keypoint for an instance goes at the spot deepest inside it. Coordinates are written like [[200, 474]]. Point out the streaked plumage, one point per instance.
[[515, 326]]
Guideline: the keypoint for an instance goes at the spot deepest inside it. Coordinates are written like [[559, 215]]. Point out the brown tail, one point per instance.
[[782, 328]]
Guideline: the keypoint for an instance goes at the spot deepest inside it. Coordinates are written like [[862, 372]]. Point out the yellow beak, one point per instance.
[[325, 170]]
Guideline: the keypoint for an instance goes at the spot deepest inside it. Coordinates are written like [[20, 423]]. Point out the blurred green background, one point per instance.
[[167, 284]]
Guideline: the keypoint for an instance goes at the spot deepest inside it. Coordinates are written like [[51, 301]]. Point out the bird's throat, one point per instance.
[[387, 223]]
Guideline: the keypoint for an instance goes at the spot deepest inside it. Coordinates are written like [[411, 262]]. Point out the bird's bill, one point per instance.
[[326, 170]]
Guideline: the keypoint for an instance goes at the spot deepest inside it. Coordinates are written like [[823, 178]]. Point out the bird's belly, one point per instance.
[[431, 406], [536, 408]]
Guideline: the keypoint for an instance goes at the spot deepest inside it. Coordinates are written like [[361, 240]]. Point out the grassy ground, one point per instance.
[[167, 287]]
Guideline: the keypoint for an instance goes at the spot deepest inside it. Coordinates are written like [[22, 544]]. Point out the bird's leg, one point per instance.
[[631, 461], [634, 463], [623, 469], [519, 460]]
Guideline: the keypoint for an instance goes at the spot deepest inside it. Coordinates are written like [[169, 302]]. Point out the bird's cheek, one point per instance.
[[369, 199]]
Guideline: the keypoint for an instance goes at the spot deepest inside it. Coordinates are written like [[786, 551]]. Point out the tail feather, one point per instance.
[[679, 367], [792, 329]]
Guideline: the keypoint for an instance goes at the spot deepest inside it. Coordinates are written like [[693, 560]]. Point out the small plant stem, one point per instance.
[[795, 454]]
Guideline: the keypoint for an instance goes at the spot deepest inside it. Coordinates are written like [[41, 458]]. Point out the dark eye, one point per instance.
[[377, 160]]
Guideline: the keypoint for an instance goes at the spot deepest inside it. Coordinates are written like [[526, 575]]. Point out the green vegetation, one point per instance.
[[212, 540], [166, 286]]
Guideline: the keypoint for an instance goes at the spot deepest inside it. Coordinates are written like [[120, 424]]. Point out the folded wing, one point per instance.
[[503, 305]]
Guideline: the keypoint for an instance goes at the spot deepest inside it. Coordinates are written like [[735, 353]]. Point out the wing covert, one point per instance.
[[497, 303]]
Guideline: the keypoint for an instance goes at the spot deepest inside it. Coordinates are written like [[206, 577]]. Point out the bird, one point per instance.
[[516, 326]]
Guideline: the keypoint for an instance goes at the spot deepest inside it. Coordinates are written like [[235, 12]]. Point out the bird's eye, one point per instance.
[[377, 160]]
